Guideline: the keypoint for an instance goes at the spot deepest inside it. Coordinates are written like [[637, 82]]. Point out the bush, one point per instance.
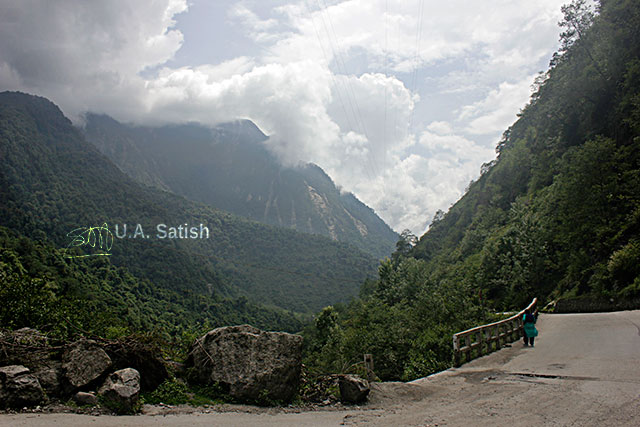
[[171, 392]]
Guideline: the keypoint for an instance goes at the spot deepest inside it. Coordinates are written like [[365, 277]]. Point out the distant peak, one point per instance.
[[21, 98], [48, 113], [243, 127]]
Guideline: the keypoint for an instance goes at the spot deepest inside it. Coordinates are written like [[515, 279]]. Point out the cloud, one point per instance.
[[287, 101], [421, 178], [376, 106], [437, 176], [224, 70], [9, 77], [498, 109], [440, 127], [344, 86], [259, 29], [87, 54]]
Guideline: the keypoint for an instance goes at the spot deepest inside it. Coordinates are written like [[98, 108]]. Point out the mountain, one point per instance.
[[230, 168], [557, 214], [55, 186]]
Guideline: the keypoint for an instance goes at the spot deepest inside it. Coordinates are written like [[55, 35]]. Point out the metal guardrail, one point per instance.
[[488, 338]]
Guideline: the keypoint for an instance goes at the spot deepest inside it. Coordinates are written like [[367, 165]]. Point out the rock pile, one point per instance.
[[246, 363], [32, 370]]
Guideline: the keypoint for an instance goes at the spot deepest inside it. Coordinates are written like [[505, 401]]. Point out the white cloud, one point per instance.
[[286, 101], [498, 109], [259, 29], [440, 127], [87, 55], [336, 86], [9, 77], [226, 69]]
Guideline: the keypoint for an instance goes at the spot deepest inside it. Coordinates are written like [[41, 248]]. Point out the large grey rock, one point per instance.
[[121, 390], [82, 398], [250, 363], [49, 373], [353, 389], [18, 387], [83, 362]]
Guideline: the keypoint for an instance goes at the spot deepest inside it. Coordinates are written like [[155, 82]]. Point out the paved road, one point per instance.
[[583, 371]]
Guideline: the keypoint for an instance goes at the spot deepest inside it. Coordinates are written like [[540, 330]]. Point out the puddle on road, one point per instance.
[[551, 376], [480, 377]]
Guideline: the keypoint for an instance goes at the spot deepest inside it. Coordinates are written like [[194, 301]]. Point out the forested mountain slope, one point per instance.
[[52, 182], [557, 214], [41, 289], [229, 167]]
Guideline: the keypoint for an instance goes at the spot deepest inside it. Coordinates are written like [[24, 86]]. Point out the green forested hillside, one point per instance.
[[556, 214], [230, 168], [52, 181], [44, 290]]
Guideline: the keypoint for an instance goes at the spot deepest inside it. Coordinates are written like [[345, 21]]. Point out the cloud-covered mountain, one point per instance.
[[399, 102], [230, 168], [53, 182]]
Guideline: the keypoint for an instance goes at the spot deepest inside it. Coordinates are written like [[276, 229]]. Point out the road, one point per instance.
[[583, 371]]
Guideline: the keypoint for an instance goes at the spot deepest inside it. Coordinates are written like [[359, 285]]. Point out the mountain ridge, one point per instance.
[[230, 168], [54, 181]]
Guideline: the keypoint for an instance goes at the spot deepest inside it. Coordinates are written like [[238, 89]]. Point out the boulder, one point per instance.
[[18, 387], [82, 398], [83, 362], [49, 373], [249, 363], [28, 336], [121, 390], [353, 389], [144, 358]]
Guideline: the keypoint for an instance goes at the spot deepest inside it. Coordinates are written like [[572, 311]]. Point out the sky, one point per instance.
[[399, 101]]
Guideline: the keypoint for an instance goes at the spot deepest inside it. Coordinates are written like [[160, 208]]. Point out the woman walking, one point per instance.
[[530, 331]]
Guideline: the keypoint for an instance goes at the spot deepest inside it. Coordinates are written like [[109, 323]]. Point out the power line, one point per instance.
[[350, 92], [333, 78], [414, 77], [386, 71]]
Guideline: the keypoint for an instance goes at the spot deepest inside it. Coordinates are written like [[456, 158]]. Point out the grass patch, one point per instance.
[[174, 391]]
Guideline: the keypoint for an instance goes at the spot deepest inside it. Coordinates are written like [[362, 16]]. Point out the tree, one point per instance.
[[578, 17], [403, 247]]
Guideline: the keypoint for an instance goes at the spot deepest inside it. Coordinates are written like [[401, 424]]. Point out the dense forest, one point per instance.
[[52, 182], [557, 214], [42, 289]]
